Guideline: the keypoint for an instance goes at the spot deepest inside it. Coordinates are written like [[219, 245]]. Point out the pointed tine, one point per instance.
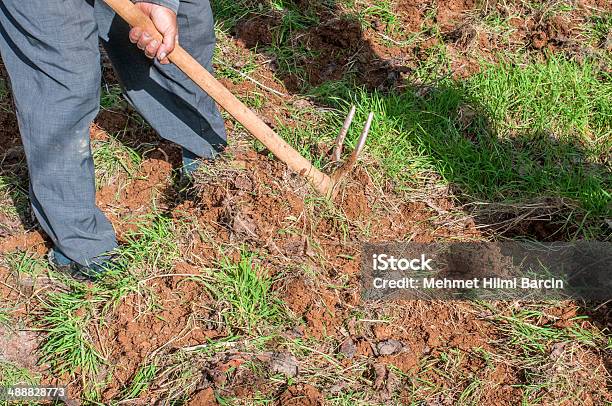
[[338, 146], [363, 137], [352, 159]]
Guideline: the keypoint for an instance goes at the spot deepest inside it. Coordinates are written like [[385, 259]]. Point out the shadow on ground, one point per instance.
[[533, 183]]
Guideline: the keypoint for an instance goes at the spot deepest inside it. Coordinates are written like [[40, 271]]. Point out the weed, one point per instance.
[[68, 347], [546, 353], [293, 19], [532, 337], [307, 136], [246, 289], [12, 375], [24, 263], [225, 70], [151, 246], [349, 398], [381, 11], [112, 97], [5, 317], [290, 61], [228, 13], [600, 26], [140, 382]]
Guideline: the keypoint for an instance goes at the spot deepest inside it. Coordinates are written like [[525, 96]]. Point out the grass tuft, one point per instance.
[[245, 289], [141, 381], [25, 263], [13, 375], [151, 246], [14, 191], [112, 158], [68, 348]]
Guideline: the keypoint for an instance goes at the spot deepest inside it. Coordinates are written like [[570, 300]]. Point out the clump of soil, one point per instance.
[[301, 395], [34, 241], [555, 32], [205, 397], [19, 347], [135, 335], [255, 31]]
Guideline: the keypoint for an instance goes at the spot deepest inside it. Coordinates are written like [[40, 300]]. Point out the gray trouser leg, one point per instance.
[[50, 49], [171, 103]]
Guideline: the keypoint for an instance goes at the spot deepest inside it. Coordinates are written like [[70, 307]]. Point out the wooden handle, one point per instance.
[[196, 72]]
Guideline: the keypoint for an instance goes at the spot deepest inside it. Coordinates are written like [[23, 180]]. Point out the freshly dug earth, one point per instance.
[[248, 200]]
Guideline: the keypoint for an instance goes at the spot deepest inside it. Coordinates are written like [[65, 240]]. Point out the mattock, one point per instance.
[[323, 183]]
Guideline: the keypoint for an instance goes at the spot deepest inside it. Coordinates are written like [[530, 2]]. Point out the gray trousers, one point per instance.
[[50, 49]]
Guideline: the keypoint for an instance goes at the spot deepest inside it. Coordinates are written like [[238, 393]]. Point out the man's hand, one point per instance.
[[165, 22]]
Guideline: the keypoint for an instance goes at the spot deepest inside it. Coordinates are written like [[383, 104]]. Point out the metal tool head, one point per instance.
[[343, 169]]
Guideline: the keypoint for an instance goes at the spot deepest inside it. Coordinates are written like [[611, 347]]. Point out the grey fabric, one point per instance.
[[50, 49], [171, 4]]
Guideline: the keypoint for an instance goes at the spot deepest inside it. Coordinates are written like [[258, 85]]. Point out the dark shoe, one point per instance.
[[80, 272]]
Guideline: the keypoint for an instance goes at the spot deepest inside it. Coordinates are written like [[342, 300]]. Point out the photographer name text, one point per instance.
[[474, 283]]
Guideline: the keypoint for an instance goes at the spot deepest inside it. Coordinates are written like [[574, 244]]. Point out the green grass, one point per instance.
[[24, 263], [534, 339], [291, 61], [14, 190], [148, 250], [293, 18], [599, 27], [529, 341], [141, 381], [112, 158], [548, 9], [227, 71], [152, 246], [245, 288], [72, 320], [381, 10], [111, 97], [509, 134], [5, 317], [564, 98], [12, 375], [68, 347], [228, 13], [466, 387]]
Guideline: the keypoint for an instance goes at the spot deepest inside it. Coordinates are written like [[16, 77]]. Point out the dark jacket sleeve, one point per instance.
[[171, 4]]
